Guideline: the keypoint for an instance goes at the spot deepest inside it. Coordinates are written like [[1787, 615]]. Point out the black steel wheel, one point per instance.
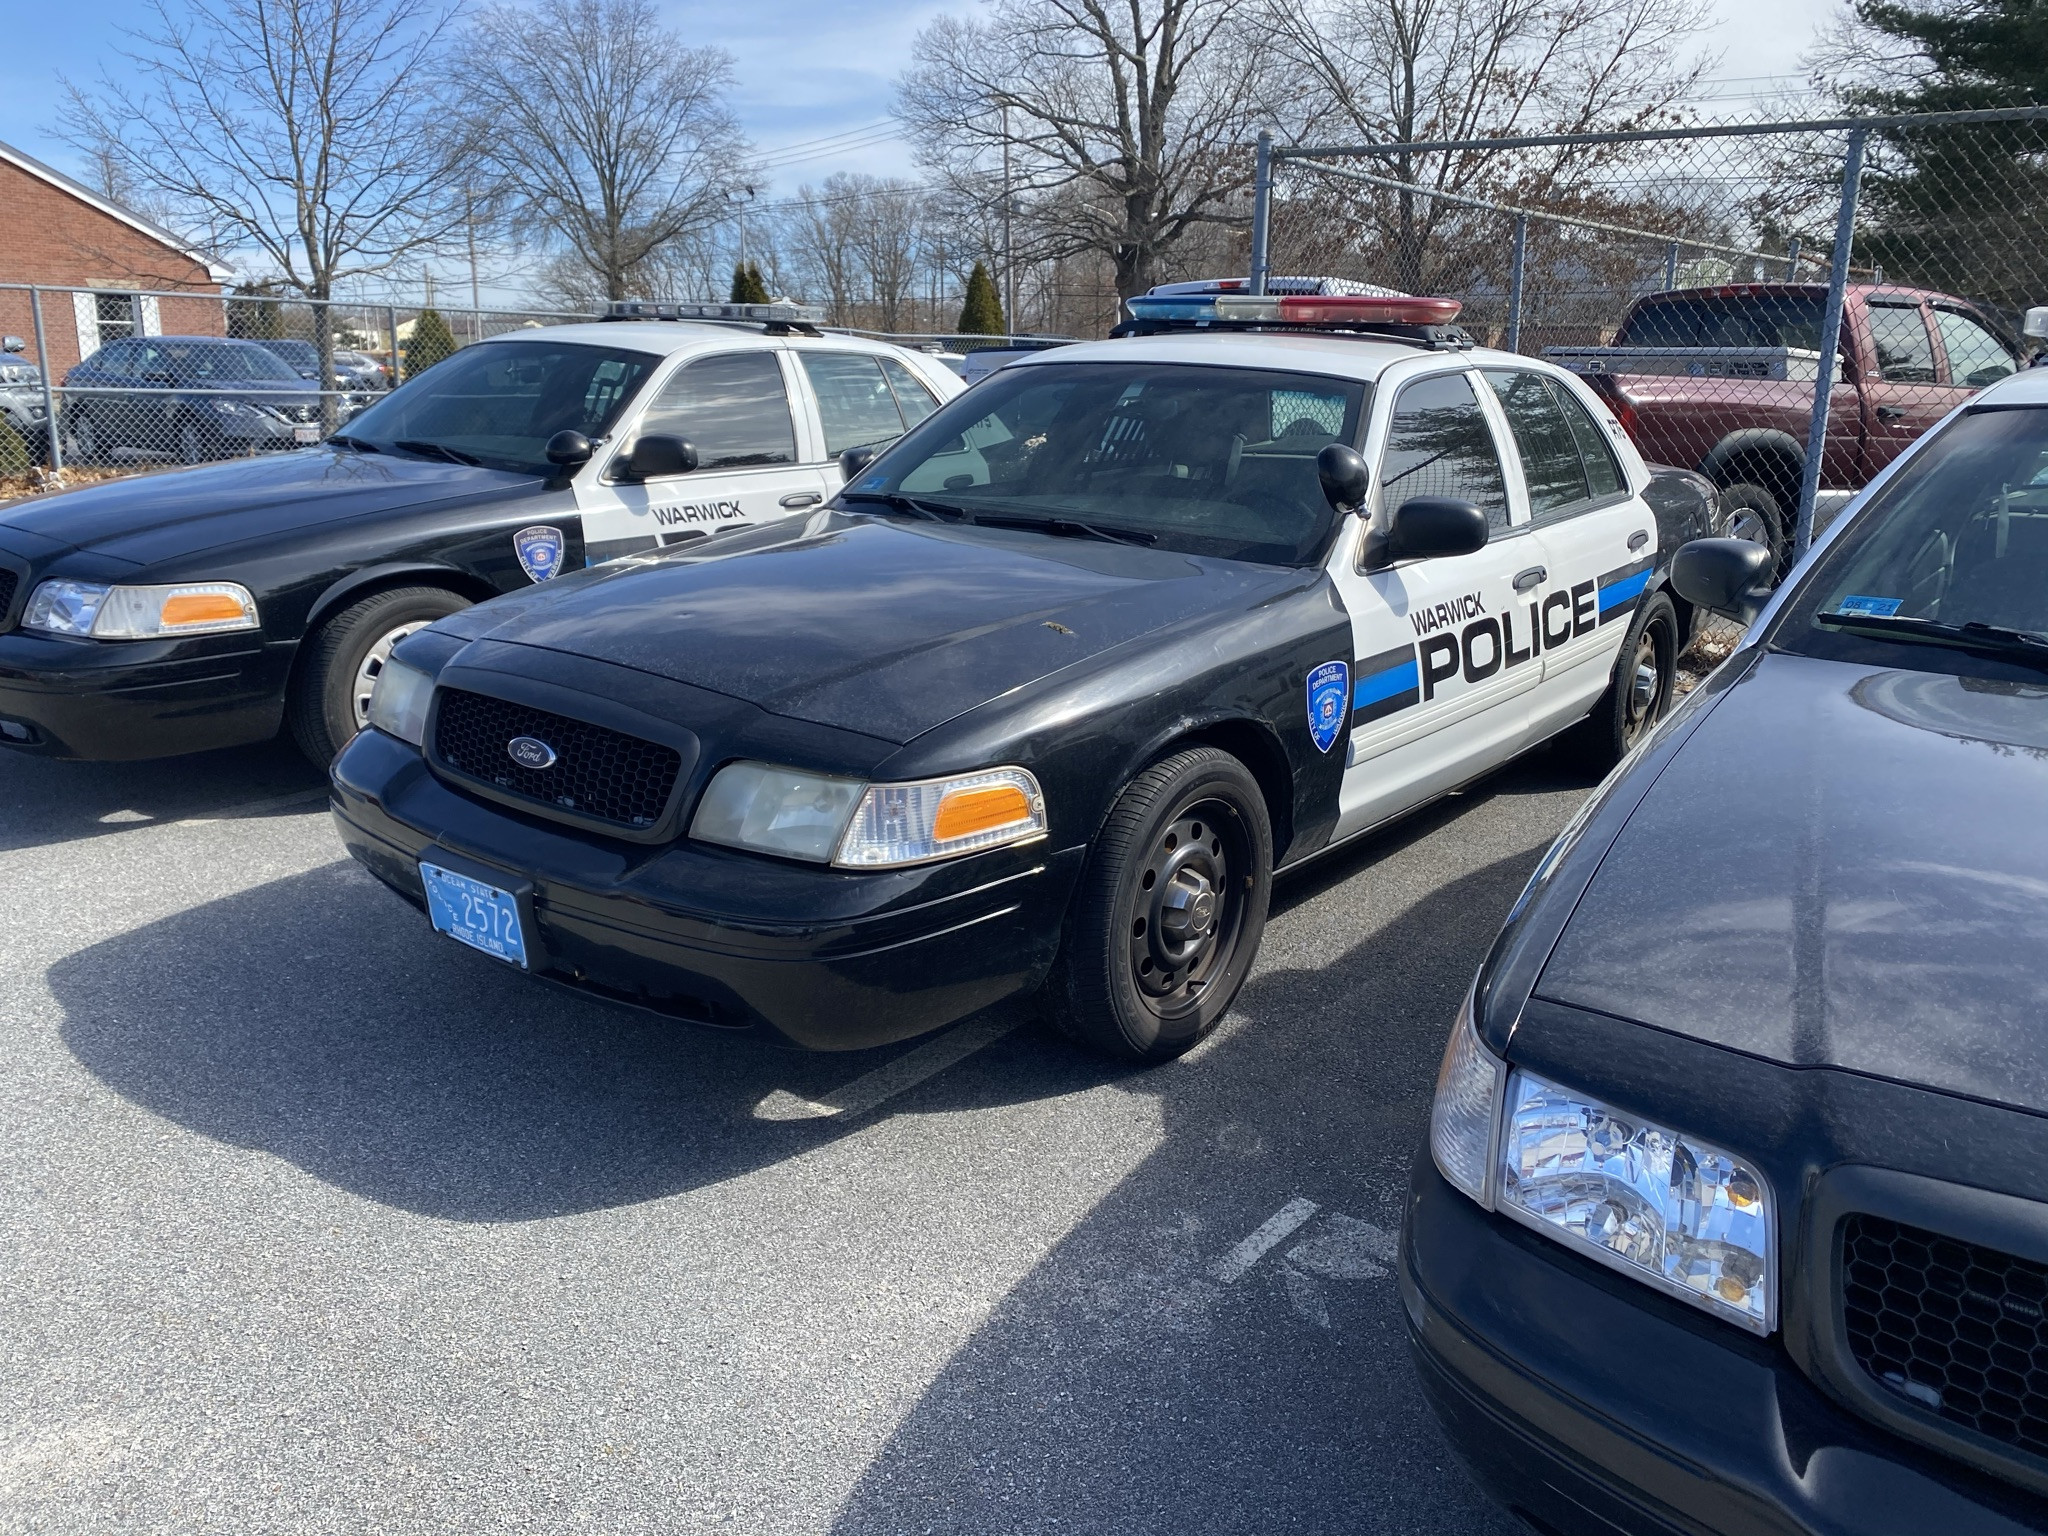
[[1645, 677], [1170, 910]]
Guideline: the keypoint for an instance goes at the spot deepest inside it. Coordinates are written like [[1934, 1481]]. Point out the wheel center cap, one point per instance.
[[1187, 907]]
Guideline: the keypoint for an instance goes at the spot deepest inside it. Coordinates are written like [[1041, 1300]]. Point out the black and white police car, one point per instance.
[[205, 608], [1047, 694]]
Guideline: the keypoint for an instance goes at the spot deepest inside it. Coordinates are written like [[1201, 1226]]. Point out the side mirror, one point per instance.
[[854, 460], [1725, 576], [1345, 480], [1428, 528], [568, 451], [2036, 325], [657, 455], [16, 344]]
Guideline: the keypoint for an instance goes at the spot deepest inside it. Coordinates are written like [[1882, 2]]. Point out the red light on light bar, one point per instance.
[[1335, 308]]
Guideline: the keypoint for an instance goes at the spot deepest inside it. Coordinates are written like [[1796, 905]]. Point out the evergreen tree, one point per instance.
[[430, 342], [982, 312], [747, 287], [14, 454]]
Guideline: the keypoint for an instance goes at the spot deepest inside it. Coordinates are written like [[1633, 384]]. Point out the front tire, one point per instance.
[[1639, 694], [1170, 910], [339, 664]]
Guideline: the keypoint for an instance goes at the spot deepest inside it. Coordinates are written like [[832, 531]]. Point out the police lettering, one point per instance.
[[1585, 608], [698, 512], [1444, 615], [1481, 648], [1556, 605]]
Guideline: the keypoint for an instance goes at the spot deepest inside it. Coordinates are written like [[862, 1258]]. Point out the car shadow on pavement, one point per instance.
[[44, 801], [1124, 1387], [319, 1019]]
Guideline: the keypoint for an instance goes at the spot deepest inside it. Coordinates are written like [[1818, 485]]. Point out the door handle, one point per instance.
[[802, 499], [1524, 580], [1891, 412], [1638, 539]]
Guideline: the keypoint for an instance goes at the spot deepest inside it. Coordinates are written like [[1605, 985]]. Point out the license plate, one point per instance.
[[305, 434], [474, 913]]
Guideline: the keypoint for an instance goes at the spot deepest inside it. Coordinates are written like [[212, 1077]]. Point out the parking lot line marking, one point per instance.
[[255, 808], [1271, 1232], [884, 1083]]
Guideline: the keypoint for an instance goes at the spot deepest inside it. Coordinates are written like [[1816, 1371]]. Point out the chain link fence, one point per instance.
[[1782, 306]]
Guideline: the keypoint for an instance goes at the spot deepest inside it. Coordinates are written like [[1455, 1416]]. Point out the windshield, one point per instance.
[[200, 360], [300, 354], [1947, 569], [500, 402], [1209, 461]]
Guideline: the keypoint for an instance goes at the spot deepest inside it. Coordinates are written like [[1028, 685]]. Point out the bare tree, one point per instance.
[[603, 128], [305, 131], [1125, 121], [821, 239], [1408, 71]]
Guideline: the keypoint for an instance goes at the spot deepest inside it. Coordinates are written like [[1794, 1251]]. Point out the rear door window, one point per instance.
[[732, 408], [1905, 353], [1975, 356], [1439, 444], [1551, 463], [856, 406], [912, 398]]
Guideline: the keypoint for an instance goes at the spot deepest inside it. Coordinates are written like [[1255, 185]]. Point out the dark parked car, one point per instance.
[[1734, 1214], [187, 400], [21, 399], [352, 370]]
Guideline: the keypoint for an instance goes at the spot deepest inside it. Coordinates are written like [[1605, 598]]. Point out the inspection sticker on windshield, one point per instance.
[[1877, 607], [1329, 697]]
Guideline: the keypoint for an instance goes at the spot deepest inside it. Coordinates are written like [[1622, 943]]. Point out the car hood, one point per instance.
[[156, 517], [872, 625], [1841, 867]]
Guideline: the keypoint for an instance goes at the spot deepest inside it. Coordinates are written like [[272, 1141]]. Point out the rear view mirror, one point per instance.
[[1428, 528], [1725, 576], [657, 455], [1344, 478]]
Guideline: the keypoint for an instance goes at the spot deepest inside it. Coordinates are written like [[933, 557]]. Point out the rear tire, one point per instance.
[[1639, 694], [1168, 916], [339, 663], [1753, 512]]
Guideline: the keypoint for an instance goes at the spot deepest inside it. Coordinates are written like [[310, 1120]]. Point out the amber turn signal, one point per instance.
[[965, 812]]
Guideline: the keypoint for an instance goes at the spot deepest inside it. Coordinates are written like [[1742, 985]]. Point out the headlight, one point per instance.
[[398, 704], [866, 826], [226, 407], [1677, 1213], [140, 613], [775, 810], [1466, 1108], [937, 818]]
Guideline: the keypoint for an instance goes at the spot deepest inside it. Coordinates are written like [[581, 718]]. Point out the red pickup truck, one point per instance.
[[1907, 357]]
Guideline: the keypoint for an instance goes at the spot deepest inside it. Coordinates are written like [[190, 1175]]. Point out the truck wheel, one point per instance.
[[1640, 692], [1749, 511], [339, 663], [1169, 912]]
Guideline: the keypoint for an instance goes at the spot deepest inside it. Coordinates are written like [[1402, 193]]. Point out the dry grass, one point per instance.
[[41, 482]]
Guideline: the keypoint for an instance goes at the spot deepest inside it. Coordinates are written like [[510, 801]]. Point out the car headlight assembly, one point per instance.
[[398, 703], [1675, 1212], [857, 825], [101, 612]]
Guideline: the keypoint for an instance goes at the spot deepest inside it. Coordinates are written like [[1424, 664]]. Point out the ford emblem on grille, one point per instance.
[[530, 752]]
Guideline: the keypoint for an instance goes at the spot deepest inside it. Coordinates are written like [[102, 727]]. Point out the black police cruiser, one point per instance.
[[1734, 1215], [1047, 694], [203, 608]]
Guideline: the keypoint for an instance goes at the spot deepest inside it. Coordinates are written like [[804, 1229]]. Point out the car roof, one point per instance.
[[668, 337], [2027, 387], [1338, 354]]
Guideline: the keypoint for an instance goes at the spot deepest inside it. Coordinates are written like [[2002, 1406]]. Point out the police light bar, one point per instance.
[[1294, 308], [1281, 285], [782, 311]]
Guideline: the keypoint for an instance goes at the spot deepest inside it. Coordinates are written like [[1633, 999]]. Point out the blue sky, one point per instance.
[[808, 69]]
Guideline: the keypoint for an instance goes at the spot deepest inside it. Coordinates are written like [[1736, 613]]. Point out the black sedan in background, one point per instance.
[[1734, 1212], [188, 400]]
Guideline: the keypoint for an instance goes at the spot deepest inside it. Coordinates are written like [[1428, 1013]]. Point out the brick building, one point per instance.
[[61, 234]]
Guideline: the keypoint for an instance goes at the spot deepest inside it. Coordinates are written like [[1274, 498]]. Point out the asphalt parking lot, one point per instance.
[[311, 1221]]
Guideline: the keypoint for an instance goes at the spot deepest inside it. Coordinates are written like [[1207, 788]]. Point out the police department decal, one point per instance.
[[539, 551], [1329, 700]]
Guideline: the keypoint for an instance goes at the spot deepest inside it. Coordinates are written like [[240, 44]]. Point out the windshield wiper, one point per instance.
[[935, 511], [360, 444], [2022, 645], [1069, 528], [437, 451]]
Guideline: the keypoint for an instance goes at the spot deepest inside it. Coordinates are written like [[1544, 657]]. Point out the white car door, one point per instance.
[[862, 400], [1443, 667], [734, 408], [1598, 539]]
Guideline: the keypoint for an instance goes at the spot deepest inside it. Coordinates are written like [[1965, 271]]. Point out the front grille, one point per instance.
[[1959, 1329], [597, 772], [8, 582]]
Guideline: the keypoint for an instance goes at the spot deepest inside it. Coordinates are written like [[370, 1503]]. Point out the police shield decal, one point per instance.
[[539, 551], [1329, 700]]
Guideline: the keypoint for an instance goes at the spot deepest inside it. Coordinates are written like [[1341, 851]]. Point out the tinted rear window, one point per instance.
[[1726, 320]]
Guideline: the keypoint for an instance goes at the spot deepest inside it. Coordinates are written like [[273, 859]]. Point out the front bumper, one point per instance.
[[831, 959], [1588, 1403], [126, 699]]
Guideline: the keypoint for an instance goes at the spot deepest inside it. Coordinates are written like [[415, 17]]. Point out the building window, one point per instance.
[[115, 313]]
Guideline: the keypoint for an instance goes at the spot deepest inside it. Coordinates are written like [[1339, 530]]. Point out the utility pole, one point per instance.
[[476, 303], [1009, 250]]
